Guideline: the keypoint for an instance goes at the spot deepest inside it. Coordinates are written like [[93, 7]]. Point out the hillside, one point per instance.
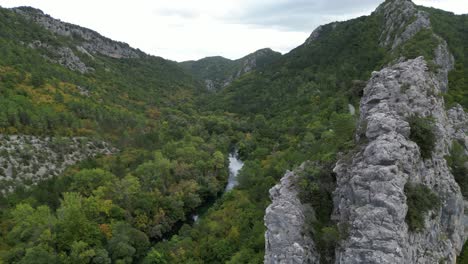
[[219, 72], [363, 118], [70, 98]]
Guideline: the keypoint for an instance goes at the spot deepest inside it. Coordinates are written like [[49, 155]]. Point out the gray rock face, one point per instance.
[[402, 22], [314, 35], [446, 63], [63, 56], [370, 196], [285, 239], [458, 128], [26, 160], [91, 41]]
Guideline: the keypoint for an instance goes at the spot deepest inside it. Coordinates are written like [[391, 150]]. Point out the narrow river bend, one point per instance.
[[235, 165]]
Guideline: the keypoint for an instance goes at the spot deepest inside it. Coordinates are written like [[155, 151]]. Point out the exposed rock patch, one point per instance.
[[314, 35], [26, 160], [90, 41], [63, 56], [402, 22]]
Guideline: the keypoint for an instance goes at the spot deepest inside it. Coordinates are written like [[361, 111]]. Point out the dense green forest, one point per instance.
[[174, 136]]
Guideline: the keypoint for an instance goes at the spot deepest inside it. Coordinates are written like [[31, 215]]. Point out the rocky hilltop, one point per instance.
[[90, 41], [370, 198], [82, 42], [218, 72], [375, 184]]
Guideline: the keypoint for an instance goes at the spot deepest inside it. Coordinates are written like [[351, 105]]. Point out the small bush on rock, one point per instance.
[[420, 200], [422, 133]]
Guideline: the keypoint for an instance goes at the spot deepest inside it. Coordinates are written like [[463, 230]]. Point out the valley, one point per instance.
[[351, 148]]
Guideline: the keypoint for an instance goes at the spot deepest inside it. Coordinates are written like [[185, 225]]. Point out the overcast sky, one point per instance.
[[192, 29]]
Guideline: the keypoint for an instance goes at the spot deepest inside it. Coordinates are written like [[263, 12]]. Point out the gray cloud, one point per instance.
[[300, 15], [178, 12]]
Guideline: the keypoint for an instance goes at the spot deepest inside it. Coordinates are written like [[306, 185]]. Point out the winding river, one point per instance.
[[235, 165]]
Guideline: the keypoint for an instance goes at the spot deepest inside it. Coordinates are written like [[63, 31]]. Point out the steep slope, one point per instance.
[[92, 59], [69, 97], [375, 190], [372, 197], [219, 72], [59, 79], [344, 52]]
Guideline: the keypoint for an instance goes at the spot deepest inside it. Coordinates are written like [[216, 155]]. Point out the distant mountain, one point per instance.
[[218, 72]]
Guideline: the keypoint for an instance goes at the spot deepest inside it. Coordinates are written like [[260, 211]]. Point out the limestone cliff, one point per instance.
[[370, 197], [81, 42], [285, 240], [90, 40]]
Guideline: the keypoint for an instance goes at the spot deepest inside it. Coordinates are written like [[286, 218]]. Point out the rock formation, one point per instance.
[[89, 40], [63, 56], [402, 22], [26, 160], [285, 240], [82, 42], [370, 196]]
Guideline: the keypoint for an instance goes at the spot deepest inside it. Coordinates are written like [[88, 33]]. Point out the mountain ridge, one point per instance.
[[218, 72]]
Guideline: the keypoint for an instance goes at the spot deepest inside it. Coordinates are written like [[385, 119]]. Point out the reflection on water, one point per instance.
[[235, 164]]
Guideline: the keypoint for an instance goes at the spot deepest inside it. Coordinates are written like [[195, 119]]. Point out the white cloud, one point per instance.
[[183, 29], [455, 6]]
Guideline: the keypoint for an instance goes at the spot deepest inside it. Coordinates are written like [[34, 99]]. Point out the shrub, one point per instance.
[[420, 200], [422, 133]]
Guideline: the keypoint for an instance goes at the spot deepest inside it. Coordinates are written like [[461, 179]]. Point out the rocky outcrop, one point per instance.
[[318, 32], [314, 35], [402, 22], [445, 62], [370, 197], [87, 41], [63, 56], [286, 241], [254, 60], [26, 160]]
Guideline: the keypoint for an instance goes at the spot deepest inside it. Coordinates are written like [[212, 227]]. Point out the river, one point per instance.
[[235, 165]]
